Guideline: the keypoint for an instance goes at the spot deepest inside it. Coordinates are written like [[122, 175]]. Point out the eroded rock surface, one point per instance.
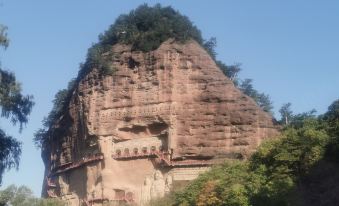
[[162, 117]]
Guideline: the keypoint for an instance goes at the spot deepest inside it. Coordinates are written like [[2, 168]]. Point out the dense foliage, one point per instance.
[[332, 125], [263, 100], [286, 113], [10, 151], [60, 100], [144, 28], [23, 196], [331, 117], [14, 106], [284, 171]]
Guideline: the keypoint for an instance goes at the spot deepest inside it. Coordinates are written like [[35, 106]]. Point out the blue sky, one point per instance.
[[290, 48]]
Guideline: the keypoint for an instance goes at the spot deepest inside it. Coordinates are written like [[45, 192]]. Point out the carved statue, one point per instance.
[[146, 191], [64, 187], [168, 184], [158, 186], [92, 192]]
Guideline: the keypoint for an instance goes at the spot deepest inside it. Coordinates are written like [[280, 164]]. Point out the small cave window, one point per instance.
[[130, 197], [144, 150], [119, 194], [153, 149], [118, 152], [126, 151], [135, 151], [161, 149]]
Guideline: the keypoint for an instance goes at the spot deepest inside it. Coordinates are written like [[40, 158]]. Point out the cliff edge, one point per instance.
[[159, 118]]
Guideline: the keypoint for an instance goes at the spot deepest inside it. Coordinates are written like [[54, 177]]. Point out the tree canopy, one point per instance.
[[286, 113], [332, 116], [14, 106], [145, 28], [263, 100], [23, 196]]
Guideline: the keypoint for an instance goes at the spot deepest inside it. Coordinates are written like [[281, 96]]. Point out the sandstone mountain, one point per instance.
[[162, 117]]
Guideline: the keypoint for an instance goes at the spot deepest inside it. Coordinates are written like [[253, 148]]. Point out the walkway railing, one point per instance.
[[163, 156], [90, 202], [82, 162], [137, 155]]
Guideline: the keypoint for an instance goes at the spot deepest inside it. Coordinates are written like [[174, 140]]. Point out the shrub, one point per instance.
[[273, 175]]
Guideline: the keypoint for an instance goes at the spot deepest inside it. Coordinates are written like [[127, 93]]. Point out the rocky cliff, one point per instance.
[[162, 117]]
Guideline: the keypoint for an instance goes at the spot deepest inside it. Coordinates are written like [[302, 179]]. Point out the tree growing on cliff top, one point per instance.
[[263, 100], [286, 113], [232, 72], [14, 106], [145, 29]]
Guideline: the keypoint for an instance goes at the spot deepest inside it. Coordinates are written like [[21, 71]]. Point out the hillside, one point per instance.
[[149, 109]]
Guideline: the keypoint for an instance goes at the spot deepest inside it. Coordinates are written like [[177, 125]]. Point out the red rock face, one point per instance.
[[173, 102]]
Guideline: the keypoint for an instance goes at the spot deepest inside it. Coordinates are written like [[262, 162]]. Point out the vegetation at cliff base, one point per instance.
[[298, 168], [23, 196]]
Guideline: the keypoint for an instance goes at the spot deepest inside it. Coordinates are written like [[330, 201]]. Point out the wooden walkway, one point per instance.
[[164, 157], [71, 166], [91, 202]]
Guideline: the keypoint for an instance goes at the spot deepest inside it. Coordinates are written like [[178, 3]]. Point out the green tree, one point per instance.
[[295, 152], [286, 113], [231, 71], [23, 196], [14, 106], [297, 121], [246, 86], [279, 172], [210, 46], [60, 101], [3, 36], [227, 184], [332, 118], [263, 100], [145, 28]]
